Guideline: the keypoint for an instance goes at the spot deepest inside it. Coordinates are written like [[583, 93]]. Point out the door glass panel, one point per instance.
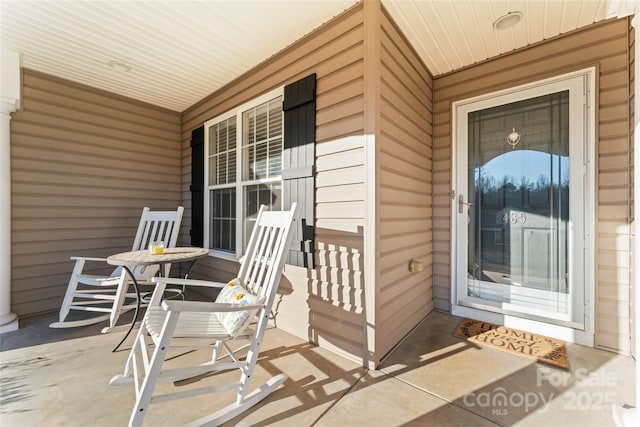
[[519, 185]]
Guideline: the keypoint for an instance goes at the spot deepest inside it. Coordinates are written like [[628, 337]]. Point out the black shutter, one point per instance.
[[197, 186], [298, 183]]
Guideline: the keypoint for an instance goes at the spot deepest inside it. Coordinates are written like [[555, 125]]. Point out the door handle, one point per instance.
[[461, 203]]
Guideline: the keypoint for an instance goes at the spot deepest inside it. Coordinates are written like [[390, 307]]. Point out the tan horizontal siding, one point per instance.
[[335, 177], [324, 305], [337, 194], [613, 252], [335, 327], [404, 175], [604, 45], [43, 87], [339, 160], [84, 164], [340, 42], [73, 145]]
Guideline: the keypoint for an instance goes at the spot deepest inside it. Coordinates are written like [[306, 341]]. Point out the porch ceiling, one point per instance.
[[179, 52]]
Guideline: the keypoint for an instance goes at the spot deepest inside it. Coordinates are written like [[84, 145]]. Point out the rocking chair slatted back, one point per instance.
[[108, 295], [156, 226], [265, 255], [180, 325]]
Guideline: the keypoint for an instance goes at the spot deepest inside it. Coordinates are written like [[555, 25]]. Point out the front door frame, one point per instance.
[[586, 336]]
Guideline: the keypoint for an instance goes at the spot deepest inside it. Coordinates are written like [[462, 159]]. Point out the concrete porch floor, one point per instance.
[[58, 377]]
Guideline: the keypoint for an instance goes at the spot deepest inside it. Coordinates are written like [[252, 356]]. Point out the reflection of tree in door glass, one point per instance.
[[518, 223]]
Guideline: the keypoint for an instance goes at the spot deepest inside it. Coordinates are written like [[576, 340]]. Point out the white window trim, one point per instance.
[[239, 185]]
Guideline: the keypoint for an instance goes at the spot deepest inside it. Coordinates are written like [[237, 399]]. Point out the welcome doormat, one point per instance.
[[537, 347]]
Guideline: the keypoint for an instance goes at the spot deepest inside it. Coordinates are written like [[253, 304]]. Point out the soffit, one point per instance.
[[181, 51], [452, 34], [178, 51]]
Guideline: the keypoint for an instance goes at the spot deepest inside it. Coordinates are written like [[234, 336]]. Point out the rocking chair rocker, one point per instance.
[[188, 325]]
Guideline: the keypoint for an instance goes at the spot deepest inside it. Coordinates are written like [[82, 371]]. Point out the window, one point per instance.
[[213, 185], [243, 149]]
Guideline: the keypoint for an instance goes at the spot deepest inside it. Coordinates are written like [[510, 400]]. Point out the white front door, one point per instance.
[[523, 205]]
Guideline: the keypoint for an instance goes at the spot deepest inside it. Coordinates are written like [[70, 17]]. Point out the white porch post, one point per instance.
[[632, 416], [9, 102], [620, 9]]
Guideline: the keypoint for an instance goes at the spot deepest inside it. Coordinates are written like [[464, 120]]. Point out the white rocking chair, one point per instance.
[[108, 294], [189, 325]]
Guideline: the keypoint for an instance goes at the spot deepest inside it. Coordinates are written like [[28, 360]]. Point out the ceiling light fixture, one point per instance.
[[119, 66], [507, 21]]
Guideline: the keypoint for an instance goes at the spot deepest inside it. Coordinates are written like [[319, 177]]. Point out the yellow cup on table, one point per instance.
[[156, 247]]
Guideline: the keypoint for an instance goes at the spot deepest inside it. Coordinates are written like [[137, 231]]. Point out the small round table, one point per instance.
[[130, 260]]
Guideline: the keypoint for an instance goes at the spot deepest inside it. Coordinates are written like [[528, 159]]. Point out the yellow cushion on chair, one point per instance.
[[235, 293]]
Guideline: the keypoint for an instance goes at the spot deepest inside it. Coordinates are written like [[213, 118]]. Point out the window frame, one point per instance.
[[239, 184]]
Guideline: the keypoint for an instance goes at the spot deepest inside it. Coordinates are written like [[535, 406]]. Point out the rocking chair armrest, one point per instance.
[[187, 282], [86, 258], [203, 306]]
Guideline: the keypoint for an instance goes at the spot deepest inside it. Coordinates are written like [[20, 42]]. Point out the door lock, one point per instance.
[[461, 203]]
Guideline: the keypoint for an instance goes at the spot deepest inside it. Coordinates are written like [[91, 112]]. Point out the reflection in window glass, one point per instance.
[[222, 152], [255, 196], [518, 225], [262, 143], [223, 221], [244, 160]]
